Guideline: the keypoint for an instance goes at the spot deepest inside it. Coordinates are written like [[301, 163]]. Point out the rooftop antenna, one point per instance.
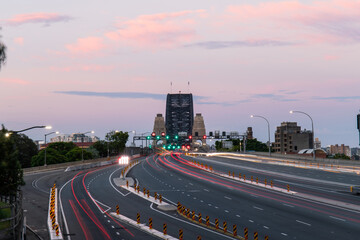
[[171, 87], [189, 87]]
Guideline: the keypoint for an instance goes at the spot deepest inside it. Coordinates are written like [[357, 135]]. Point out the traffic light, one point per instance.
[[190, 137], [153, 134], [157, 137], [204, 137], [150, 146], [176, 137], [163, 134], [148, 137], [167, 137]]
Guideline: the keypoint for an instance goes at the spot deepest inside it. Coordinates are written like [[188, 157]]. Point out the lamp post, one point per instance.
[[82, 147], [252, 116], [312, 129], [26, 129], [46, 146]]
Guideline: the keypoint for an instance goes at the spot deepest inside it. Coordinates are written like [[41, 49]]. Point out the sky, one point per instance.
[[107, 65]]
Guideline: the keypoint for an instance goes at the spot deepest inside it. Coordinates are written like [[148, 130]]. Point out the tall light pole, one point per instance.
[[46, 146], [26, 129], [82, 141], [252, 116], [312, 129]]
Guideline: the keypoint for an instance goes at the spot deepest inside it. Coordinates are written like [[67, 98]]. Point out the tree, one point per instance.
[[101, 147], [75, 154], [62, 147], [255, 145], [341, 156], [11, 176], [26, 147], [52, 157], [117, 141], [2, 53], [218, 145]]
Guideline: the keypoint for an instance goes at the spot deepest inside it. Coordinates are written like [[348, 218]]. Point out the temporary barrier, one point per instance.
[[246, 233], [150, 223], [234, 230], [266, 238], [164, 229], [199, 217], [207, 221], [216, 223], [138, 218], [181, 234], [256, 236], [117, 210]]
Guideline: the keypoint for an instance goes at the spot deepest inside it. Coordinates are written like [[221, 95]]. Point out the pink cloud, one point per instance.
[[331, 57], [19, 41], [14, 81], [86, 46], [157, 30], [86, 68], [335, 19], [45, 18]]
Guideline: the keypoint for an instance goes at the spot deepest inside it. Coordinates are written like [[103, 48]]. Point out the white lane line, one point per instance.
[[201, 201], [191, 184], [209, 205], [251, 221], [226, 211], [266, 227], [238, 215], [287, 205], [284, 234], [227, 197], [179, 179], [216, 207], [258, 208], [206, 190], [340, 219], [308, 224], [253, 195], [194, 198], [112, 226]]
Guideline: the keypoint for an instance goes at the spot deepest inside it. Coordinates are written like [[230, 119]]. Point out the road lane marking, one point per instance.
[[216, 207], [340, 219], [266, 227], [226, 211], [238, 215], [209, 205], [251, 221], [308, 224], [191, 184], [287, 205], [258, 208], [112, 226], [253, 195], [284, 234], [206, 190], [227, 197]]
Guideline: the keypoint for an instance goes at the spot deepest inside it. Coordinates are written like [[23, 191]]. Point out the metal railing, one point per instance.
[[12, 227]]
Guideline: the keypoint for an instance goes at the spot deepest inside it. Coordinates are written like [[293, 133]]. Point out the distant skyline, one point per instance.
[[86, 65]]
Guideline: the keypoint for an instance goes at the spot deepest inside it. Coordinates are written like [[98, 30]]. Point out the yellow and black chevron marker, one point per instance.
[[164, 229], [199, 238], [200, 218], [117, 210], [216, 223], [181, 234], [266, 237], [150, 223], [246, 233], [207, 221], [234, 230], [138, 218], [256, 236], [225, 226]]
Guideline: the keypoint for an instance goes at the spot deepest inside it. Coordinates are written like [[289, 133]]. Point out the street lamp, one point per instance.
[[46, 146], [312, 128], [82, 141], [252, 116], [26, 129]]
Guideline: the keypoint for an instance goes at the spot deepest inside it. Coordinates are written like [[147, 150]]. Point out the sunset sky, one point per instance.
[[106, 65]]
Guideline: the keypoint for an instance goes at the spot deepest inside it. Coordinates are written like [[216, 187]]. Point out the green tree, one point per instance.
[[26, 147], [11, 174], [75, 154], [52, 157], [255, 145], [2, 53], [218, 145], [117, 141], [62, 147], [101, 147], [341, 156]]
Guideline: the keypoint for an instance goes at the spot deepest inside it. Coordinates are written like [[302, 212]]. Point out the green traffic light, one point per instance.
[[178, 147], [167, 137], [157, 137], [148, 137], [150, 146], [176, 136]]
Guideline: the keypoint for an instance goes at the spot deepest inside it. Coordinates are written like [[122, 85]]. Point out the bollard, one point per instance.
[[256, 236], [53, 223], [257, 180], [233, 174], [244, 178], [144, 191], [148, 193], [234, 230], [138, 218], [251, 179], [200, 218], [271, 182], [288, 188], [216, 223], [199, 238], [164, 229], [160, 198], [240, 176], [225, 226], [193, 215], [181, 234], [127, 184], [117, 210], [57, 229], [266, 237], [150, 223], [135, 186], [155, 196], [188, 213], [246, 234], [207, 221], [229, 173], [138, 189]]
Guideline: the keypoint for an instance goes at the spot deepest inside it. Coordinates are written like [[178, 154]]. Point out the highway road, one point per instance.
[[87, 197]]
